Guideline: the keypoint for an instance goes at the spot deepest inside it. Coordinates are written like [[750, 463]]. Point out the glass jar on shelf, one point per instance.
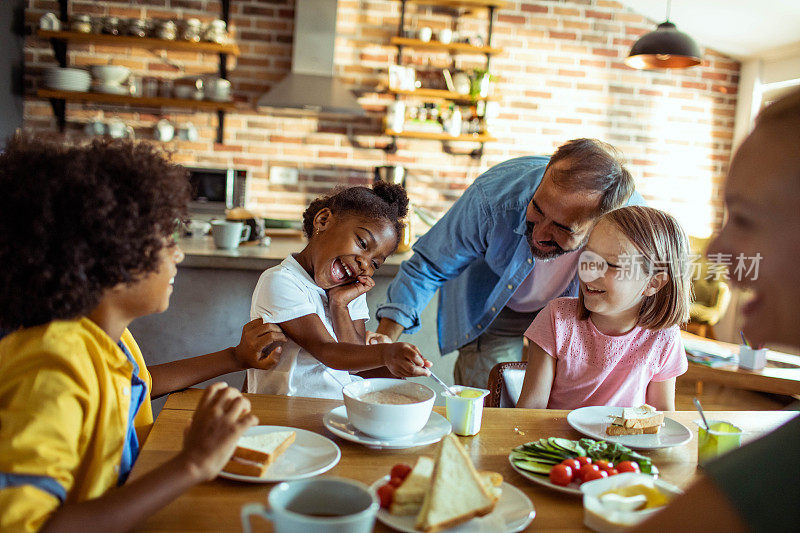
[[81, 24], [216, 32], [167, 30], [191, 30], [111, 26], [137, 27]]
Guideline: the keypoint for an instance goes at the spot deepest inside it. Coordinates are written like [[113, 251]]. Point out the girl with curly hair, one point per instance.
[[318, 296], [86, 248]]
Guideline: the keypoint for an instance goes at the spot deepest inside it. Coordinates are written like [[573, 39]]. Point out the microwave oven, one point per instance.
[[216, 189]]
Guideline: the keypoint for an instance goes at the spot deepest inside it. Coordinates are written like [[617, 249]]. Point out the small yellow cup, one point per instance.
[[720, 438], [465, 410]]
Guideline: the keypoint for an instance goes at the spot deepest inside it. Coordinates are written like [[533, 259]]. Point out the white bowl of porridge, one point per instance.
[[388, 408]]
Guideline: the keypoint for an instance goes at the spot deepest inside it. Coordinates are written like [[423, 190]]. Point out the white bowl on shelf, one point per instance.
[[110, 74]]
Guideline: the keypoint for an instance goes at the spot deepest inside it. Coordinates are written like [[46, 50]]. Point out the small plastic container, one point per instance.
[[465, 412], [751, 359], [599, 514], [720, 438]]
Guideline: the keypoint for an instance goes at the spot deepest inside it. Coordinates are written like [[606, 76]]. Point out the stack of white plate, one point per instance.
[[67, 79]]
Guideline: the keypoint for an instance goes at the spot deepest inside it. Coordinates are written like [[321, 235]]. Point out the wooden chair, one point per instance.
[[505, 384]]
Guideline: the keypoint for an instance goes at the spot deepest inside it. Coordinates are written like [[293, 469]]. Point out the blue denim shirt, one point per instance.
[[477, 254]]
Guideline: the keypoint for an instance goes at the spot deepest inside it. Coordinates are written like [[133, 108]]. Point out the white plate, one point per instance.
[[337, 423], [592, 421], [513, 512], [573, 488], [309, 455]]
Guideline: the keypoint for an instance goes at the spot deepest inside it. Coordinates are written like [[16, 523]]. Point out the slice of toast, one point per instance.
[[255, 453], [455, 494], [409, 495], [615, 430]]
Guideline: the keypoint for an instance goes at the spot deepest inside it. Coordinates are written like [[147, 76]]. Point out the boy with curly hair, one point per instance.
[[86, 248]]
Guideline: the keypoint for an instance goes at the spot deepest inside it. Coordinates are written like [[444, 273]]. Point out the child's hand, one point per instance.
[[404, 360], [344, 294], [260, 346], [222, 416]]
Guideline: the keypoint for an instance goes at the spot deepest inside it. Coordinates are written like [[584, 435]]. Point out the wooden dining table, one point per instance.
[[215, 505], [780, 376]]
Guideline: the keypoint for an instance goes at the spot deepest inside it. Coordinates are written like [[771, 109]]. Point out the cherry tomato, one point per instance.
[[612, 471], [628, 466], [400, 470], [572, 463], [395, 482], [386, 495], [561, 475], [585, 469], [604, 465], [594, 474], [583, 460]]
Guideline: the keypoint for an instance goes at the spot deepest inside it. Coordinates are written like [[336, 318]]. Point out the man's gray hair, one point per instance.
[[594, 166]]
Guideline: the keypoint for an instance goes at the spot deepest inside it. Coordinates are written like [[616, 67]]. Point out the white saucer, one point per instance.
[[513, 512], [337, 423], [309, 455], [592, 421]]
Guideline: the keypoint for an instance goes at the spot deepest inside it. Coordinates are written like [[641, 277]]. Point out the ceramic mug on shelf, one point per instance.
[[227, 235], [118, 129], [164, 131], [425, 34], [95, 127], [317, 505]]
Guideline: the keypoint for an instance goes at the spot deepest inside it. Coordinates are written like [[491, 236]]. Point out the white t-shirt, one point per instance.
[[547, 280], [283, 293]]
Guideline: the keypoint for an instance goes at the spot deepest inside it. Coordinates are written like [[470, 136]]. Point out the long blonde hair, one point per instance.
[[663, 246]]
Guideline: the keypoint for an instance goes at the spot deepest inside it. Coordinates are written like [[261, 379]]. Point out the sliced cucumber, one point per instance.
[[533, 466]]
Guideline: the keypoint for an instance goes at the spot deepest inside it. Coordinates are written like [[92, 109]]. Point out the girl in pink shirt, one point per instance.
[[618, 343]]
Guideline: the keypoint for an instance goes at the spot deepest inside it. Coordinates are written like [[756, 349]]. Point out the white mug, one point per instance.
[[227, 234], [165, 131], [425, 34], [118, 129], [445, 36], [95, 127], [188, 132], [321, 505]]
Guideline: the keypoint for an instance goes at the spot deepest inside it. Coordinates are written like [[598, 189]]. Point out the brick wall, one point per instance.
[[561, 76]]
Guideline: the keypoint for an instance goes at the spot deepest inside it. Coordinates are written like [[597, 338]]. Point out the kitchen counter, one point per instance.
[[201, 253]]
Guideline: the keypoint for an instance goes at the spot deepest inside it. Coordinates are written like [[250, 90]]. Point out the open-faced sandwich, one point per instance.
[[254, 453], [443, 493], [636, 421]]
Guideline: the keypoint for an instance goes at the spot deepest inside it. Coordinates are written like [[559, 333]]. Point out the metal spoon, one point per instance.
[[447, 389], [702, 415]]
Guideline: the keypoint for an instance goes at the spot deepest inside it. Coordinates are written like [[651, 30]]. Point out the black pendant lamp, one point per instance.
[[666, 47]]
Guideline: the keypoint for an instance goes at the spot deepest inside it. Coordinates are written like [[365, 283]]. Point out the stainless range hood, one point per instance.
[[311, 85]]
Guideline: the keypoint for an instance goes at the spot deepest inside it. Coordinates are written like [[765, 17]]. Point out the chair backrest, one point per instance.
[[505, 384]]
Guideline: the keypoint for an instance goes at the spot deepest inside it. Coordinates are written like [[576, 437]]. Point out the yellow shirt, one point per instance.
[[64, 399]]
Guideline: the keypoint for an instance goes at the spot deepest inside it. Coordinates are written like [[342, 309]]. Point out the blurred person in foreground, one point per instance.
[[755, 488], [86, 247]]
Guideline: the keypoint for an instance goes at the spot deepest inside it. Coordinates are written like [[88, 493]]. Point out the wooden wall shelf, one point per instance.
[[124, 99], [455, 48], [140, 42], [478, 138], [438, 93], [468, 4]]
